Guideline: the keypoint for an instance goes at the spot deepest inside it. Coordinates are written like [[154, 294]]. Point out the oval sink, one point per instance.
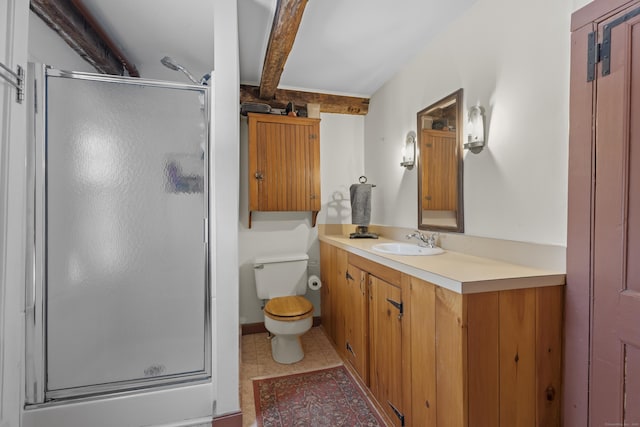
[[405, 249]]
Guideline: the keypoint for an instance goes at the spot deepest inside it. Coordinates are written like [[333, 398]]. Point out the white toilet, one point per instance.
[[282, 280]]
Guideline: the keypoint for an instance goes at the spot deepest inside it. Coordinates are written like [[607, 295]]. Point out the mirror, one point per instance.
[[440, 165]]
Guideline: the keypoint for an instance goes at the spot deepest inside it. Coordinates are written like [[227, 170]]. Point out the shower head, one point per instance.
[[171, 64]]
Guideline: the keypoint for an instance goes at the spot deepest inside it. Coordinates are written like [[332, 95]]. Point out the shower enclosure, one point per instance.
[[118, 294]]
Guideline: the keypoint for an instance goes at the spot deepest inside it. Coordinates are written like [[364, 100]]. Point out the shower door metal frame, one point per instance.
[[36, 393]]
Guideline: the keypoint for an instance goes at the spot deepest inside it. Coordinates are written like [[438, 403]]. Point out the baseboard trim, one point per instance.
[[258, 328], [229, 420]]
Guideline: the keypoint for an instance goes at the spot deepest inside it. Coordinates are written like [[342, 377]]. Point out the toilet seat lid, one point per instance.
[[293, 307]]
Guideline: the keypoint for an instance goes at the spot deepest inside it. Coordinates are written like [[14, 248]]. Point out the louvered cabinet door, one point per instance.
[[284, 163]]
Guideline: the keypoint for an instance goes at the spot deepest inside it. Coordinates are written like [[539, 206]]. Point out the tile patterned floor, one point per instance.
[[257, 362]]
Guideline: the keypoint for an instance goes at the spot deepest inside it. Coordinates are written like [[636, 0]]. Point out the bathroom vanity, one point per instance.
[[449, 339]]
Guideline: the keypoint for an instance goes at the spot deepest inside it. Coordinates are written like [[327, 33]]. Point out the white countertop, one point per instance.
[[461, 273]]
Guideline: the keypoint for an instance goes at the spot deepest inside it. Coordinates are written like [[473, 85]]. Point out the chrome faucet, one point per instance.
[[424, 241]]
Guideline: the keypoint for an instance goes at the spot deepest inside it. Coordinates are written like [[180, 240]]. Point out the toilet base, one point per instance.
[[286, 349]]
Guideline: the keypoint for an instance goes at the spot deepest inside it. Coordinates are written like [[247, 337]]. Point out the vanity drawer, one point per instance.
[[375, 269]]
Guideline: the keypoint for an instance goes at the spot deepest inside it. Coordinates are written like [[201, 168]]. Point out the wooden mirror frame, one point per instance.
[[450, 196]]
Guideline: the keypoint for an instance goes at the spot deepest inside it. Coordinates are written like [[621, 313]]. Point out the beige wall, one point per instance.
[[512, 58]]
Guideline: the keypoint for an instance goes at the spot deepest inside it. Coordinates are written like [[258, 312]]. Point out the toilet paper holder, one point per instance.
[[314, 283]]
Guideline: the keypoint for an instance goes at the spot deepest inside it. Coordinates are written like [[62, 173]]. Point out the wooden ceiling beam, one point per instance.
[[328, 103], [286, 22], [128, 65], [83, 35]]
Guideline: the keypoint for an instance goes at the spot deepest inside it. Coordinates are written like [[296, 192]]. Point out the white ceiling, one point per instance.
[[343, 46]]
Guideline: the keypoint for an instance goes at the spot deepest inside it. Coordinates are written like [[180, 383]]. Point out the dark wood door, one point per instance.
[[615, 344]]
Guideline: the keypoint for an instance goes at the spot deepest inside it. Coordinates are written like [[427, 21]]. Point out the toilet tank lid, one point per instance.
[[268, 259]]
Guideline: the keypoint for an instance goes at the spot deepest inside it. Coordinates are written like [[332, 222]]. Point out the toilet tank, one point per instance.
[[280, 275]]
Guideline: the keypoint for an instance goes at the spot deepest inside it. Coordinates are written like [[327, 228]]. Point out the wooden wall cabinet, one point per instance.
[[441, 358], [284, 164]]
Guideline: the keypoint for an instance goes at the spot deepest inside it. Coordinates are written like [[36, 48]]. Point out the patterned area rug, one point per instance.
[[328, 397]]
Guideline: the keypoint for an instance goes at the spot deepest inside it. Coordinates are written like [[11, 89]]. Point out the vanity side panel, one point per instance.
[[328, 274], [420, 311], [517, 357], [340, 302], [549, 318], [483, 345], [451, 356]]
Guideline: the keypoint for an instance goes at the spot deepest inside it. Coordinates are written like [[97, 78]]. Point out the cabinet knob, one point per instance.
[[259, 175], [551, 393]]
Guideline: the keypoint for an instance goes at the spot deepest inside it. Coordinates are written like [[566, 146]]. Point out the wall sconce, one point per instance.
[[409, 151], [475, 129]]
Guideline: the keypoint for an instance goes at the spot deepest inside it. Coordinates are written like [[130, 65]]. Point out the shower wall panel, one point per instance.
[[125, 231]]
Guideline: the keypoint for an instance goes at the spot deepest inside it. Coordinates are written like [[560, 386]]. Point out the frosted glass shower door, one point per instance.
[[126, 286]]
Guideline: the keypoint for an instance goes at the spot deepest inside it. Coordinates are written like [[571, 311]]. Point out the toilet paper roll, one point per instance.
[[314, 283]]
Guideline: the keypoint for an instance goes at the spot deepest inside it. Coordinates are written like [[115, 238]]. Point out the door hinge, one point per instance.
[[350, 349], [399, 414], [397, 305], [206, 230], [35, 95], [593, 56], [602, 52], [15, 79]]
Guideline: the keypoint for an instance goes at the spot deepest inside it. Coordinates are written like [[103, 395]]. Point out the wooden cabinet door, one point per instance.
[[284, 163], [356, 321], [385, 347], [439, 189]]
